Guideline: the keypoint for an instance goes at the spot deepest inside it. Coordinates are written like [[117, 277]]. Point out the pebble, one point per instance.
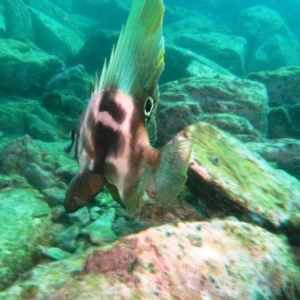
[[37, 177], [81, 216], [54, 196], [53, 253], [103, 235]]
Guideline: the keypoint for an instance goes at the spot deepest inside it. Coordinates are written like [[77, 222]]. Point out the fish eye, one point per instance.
[[148, 106]]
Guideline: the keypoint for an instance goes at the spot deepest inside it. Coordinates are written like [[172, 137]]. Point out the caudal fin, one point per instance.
[[172, 172]]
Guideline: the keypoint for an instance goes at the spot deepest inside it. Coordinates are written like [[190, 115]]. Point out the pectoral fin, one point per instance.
[[172, 173], [82, 189]]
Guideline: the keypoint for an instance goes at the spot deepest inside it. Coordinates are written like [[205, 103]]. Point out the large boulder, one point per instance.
[[202, 36], [23, 67], [284, 154], [25, 224], [18, 20], [73, 81], [237, 106], [96, 49], [210, 260], [181, 63], [226, 50], [29, 118], [53, 37], [271, 42], [228, 178], [110, 15], [283, 87]]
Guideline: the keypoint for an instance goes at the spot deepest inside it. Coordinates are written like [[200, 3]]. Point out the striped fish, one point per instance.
[[114, 144]]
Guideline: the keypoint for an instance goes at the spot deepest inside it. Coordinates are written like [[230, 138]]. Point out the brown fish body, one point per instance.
[[114, 143]]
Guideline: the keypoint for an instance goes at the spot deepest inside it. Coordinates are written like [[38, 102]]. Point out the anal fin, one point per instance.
[[172, 172], [82, 189], [113, 190]]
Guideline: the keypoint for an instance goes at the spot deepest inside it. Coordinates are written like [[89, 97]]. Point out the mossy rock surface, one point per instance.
[[25, 224], [23, 67], [187, 101], [226, 175], [205, 260]]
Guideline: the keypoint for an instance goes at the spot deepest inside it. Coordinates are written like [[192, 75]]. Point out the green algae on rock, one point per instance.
[[240, 182], [228, 261], [24, 66], [25, 224]]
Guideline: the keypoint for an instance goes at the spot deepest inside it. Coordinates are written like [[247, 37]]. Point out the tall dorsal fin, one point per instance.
[[138, 60]]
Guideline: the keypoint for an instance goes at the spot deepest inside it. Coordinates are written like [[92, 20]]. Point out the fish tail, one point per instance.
[[172, 172]]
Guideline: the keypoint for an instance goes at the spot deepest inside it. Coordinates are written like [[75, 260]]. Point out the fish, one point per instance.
[[114, 142]]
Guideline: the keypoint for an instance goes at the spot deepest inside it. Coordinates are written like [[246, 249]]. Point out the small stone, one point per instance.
[[54, 196], [69, 246], [37, 177], [66, 238], [195, 239], [53, 253], [105, 220], [198, 227], [103, 235], [81, 216], [58, 213]]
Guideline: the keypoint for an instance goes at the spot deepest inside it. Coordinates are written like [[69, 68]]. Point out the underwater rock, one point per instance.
[[50, 9], [283, 87], [272, 43], [62, 103], [220, 99], [226, 50], [53, 37], [182, 63], [37, 177], [25, 224], [279, 124], [53, 253], [65, 239], [73, 81], [23, 67], [38, 129], [54, 196], [66, 5], [113, 12], [105, 219], [18, 20], [282, 153], [13, 111], [210, 260], [29, 118], [284, 52], [181, 59], [228, 178], [16, 154], [2, 22], [96, 49], [100, 236], [81, 216]]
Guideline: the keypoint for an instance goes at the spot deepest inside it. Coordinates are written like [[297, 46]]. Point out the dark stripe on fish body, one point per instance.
[[106, 142], [135, 123], [109, 105]]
